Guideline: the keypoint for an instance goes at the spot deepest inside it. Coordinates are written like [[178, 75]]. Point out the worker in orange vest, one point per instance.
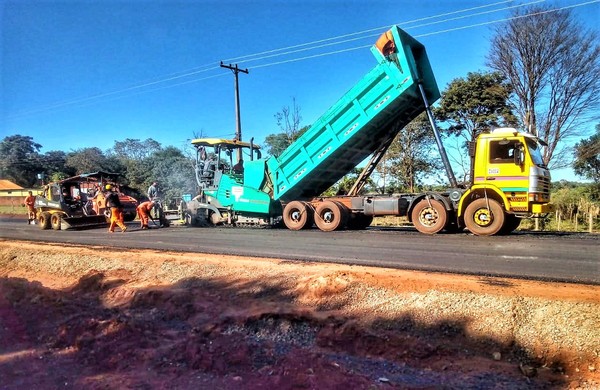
[[116, 209], [143, 212], [30, 203]]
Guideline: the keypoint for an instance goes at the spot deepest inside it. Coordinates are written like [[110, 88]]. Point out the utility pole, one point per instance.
[[238, 124]]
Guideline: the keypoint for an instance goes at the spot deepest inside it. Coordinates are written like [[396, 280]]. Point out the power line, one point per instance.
[[245, 57], [94, 97], [432, 33], [320, 45], [507, 19], [209, 67], [206, 68], [77, 104]]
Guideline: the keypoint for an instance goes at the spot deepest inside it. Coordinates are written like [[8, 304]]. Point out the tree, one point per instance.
[[139, 173], [475, 104], [54, 166], [553, 65], [276, 143], [288, 121], [91, 160], [174, 172], [134, 149], [134, 155], [587, 158], [410, 156], [344, 185], [20, 160]]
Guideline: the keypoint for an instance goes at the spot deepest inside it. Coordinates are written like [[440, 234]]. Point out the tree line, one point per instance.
[[139, 163]]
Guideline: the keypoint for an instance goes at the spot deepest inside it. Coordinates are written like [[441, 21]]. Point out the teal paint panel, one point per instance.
[[254, 173], [241, 198]]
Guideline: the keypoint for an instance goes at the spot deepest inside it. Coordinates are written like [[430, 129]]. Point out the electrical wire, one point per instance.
[[306, 46], [245, 57], [434, 33], [251, 57], [378, 34]]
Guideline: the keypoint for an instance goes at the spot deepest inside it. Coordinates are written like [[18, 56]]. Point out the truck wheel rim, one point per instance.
[[428, 216], [483, 217], [296, 215]]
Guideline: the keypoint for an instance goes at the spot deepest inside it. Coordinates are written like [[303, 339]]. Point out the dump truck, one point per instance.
[[509, 180], [79, 201]]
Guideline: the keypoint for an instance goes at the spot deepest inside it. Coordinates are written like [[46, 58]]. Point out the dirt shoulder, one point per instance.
[[98, 318]]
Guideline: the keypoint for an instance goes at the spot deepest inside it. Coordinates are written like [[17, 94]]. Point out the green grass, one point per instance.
[[11, 210], [390, 221], [549, 225]]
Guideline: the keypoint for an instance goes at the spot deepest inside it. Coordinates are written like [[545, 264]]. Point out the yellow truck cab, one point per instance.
[[510, 182]]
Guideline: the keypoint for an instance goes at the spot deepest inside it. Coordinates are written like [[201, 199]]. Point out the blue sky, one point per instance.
[[87, 73]]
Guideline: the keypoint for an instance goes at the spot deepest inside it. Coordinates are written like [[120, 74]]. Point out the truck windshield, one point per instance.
[[535, 152]]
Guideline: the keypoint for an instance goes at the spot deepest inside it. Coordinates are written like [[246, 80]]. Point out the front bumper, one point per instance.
[[542, 208]]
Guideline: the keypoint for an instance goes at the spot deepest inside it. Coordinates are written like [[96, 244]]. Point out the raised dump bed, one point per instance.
[[377, 107]]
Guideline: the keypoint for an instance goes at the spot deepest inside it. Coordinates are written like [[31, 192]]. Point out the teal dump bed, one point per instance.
[[358, 124]]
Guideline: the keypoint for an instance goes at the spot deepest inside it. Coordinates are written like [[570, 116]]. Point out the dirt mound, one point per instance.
[[93, 318]]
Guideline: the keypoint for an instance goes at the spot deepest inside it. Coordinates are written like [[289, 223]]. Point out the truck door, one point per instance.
[[503, 171]]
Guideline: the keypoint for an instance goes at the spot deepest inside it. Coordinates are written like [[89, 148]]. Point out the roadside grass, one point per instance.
[[551, 225], [12, 210], [390, 221], [548, 225]]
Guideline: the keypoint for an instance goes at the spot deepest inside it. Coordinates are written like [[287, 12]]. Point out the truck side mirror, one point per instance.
[[519, 155]]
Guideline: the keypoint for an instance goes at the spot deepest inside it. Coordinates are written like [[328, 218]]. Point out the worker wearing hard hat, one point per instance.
[[116, 209], [143, 212]]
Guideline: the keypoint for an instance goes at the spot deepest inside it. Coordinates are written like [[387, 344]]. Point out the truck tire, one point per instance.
[[189, 220], [55, 221], [330, 216], [129, 217], [345, 214], [429, 216], [511, 223], [359, 221], [298, 215], [482, 220], [164, 222], [44, 220]]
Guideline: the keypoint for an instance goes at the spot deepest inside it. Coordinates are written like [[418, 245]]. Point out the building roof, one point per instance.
[[9, 185]]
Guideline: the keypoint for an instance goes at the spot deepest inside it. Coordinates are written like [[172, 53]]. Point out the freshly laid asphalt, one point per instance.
[[564, 257]]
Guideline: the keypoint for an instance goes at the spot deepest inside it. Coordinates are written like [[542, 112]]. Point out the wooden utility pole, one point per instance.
[[238, 124]]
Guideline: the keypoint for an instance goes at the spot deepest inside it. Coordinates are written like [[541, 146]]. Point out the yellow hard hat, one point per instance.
[[108, 187]]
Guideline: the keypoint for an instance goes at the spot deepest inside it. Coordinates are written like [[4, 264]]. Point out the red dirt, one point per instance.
[[93, 318]]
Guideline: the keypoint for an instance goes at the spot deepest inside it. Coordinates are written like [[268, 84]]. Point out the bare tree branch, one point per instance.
[[553, 64]]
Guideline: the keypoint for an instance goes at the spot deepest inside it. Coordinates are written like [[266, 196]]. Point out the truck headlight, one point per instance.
[[535, 197]]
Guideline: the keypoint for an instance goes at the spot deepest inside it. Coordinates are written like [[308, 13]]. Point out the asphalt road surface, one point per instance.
[[563, 257]]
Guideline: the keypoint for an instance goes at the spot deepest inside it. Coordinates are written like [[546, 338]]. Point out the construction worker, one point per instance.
[[30, 203], [143, 212], [153, 194], [116, 209], [153, 191]]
